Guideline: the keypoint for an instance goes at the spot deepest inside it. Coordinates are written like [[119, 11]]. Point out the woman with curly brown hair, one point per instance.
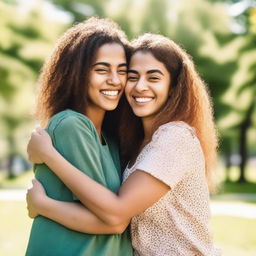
[[169, 150], [83, 79]]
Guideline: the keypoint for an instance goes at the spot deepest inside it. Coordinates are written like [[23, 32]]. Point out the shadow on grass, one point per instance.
[[234, 187], [233, 191], [20, 182]]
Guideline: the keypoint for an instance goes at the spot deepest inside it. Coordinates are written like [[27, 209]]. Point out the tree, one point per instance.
[[24, 44]]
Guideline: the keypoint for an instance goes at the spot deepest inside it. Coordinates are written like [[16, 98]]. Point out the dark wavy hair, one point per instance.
[[188, 101], [63, 83]]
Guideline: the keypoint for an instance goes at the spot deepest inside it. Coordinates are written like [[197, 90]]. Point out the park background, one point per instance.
[[221, 38]]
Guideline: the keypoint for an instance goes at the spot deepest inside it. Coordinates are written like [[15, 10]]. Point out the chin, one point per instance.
[[110, 108], [141, 114]]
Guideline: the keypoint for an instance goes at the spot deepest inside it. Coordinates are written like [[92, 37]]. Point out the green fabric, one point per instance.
[[75, 137]]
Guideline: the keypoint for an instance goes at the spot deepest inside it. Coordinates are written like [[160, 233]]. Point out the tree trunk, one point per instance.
[[227, 165], [11, 157], [243, 151], [243, 142], [10, 165]]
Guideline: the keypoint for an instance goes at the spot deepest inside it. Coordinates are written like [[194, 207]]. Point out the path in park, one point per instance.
[[227, 205]]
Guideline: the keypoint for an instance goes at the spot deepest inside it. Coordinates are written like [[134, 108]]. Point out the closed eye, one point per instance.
[[132, 78], [101, 70], [154, 78], [122, 71]]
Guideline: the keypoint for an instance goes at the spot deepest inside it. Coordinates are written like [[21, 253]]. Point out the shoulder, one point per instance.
[[175, 131], [178, 140], [69, 119]]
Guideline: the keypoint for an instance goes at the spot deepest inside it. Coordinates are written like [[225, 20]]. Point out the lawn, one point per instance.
[[22, 181], [15, 227], [235, 236]]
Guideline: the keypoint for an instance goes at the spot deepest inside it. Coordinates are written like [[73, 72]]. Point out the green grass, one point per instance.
[[22, 181], [15, 228], [235, 236], [232, 187]]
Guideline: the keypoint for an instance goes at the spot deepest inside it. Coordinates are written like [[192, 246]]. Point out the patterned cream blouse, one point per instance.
[[176, 225]]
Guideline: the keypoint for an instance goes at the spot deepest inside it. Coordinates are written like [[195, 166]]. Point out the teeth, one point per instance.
[[111, 93], [143, 99]]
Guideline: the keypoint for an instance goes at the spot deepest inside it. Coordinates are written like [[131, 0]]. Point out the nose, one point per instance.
[[114, 79], [141, 85]]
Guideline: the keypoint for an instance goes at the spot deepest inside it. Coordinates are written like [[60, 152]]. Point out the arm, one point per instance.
[[71, 215], [139, 192], [174, 153]]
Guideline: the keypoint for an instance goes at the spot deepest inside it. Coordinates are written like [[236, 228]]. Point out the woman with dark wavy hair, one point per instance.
[[169, 149], [80, 86]]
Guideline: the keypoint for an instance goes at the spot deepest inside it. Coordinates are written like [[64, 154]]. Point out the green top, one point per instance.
[[76, 138]]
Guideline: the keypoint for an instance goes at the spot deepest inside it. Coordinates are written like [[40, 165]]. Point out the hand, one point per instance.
[[35, 197], [39, 146]]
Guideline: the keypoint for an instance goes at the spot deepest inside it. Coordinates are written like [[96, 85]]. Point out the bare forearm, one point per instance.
[[76, 217], [101, 201], [137, 193]]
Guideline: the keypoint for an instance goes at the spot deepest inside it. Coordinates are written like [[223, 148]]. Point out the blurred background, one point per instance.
[[220, 36]]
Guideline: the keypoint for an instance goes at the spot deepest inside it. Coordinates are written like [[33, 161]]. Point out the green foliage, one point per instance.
[[82, 9], [24, 44], [235, 236], [225, 60]]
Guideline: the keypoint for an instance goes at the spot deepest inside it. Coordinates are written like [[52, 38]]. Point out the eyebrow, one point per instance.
[[132, 71], [155, 71], [148, 72], [108, 65]]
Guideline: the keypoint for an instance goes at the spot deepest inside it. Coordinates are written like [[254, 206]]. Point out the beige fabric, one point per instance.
[[177, 224]]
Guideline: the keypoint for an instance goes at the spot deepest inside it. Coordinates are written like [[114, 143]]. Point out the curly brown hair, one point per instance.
[[63, 82], [189, 100]]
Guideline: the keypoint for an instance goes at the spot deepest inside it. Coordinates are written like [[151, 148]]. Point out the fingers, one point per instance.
[[37, 126], [36, 182], [39, 129], [30, 186]]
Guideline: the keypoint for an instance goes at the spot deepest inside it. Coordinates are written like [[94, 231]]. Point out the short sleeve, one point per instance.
[[173, 152], [76, 142]]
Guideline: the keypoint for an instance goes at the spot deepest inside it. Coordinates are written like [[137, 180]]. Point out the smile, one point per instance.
[[110, 93], [143, 99]]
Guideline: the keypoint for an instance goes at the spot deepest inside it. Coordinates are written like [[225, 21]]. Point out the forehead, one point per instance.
[[111, 53], [144, 61]]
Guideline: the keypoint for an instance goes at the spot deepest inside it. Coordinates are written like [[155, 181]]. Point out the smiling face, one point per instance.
[[147, 86], [107, 78]]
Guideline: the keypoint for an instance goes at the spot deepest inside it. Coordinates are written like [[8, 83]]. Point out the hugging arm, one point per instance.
[[74, 139], [72, 215], [139, 191]]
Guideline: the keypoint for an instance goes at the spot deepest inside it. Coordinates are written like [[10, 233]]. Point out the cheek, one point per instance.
[[96, 80], [123, 80], [91, 93], [127, 89], [165, 90]]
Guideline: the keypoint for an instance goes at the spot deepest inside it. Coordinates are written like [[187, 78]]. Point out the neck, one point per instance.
[[147, 126], [96, 116]]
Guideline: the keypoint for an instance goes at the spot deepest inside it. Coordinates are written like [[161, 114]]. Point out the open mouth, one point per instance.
[[110, 93], [143, 99]]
